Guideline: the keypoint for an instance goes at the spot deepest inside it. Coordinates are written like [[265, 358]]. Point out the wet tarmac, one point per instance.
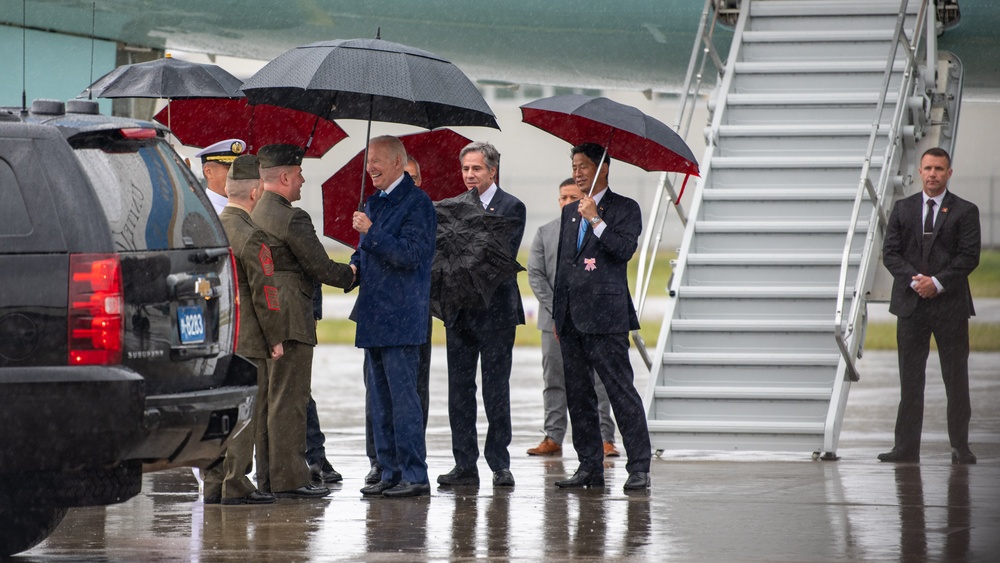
[[703, 506]]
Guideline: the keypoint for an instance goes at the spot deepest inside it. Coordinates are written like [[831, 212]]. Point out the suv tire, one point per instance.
[[24, 527], [87, 487]]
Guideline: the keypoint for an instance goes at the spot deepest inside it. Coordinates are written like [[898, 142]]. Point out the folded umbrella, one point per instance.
[[435, 151], [199, 122]]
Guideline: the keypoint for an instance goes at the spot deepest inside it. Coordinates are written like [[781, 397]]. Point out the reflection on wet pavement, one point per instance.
[[702, 506]]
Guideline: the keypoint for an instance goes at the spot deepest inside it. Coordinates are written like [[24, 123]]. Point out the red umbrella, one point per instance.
[[199, 122], [435, 151]]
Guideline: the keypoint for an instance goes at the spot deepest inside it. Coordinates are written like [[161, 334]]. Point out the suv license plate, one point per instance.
[[192, 325]]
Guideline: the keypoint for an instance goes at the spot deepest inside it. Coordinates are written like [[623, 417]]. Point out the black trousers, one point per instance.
[[492, 349], [913, 335], [607, 355]]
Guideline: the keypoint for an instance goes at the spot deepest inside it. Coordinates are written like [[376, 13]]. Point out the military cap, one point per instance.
[[245, 167], [280, 155], [223, 151]]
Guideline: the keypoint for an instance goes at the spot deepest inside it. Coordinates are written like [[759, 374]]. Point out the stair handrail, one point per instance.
[[701, 51], [877, 196]]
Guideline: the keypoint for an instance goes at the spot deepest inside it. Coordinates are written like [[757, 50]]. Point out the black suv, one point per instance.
[[118, 316]]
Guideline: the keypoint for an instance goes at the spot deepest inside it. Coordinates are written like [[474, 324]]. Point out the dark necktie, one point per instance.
[[927, 239]]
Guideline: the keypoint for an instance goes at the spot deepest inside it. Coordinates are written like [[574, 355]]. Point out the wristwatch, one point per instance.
[[595, 220]]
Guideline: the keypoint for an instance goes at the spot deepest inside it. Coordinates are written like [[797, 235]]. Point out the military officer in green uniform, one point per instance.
[[227, 482], [298, 259]]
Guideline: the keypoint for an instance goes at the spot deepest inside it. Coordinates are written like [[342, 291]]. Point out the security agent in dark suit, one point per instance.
[[299, 258], [932, 244], [593, 314], [486, 335], [393, 264], [227, 483]]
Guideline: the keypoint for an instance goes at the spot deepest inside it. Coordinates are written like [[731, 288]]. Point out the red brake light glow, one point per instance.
[[138, 133], [95, 309]]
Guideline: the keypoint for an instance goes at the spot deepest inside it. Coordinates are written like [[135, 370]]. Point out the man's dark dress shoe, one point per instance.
[[503, 478], [407, 489], [213, 500], [637, 481], [255, 497], [377, 488], [324, 472], [305, 491], [374, 475], [582, 479], [894, 456], [458, 477], [962, 457]]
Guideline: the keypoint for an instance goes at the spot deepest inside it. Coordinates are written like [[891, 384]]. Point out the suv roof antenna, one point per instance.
[[24, 58], [93, 39]]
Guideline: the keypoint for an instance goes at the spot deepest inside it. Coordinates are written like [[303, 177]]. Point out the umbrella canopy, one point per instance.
[[166, 78], [628, 134], [371, 79], [199, 122], [435, 151], [472, 256]]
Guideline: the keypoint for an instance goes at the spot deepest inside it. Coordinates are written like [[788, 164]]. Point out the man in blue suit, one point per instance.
[[593, 314], [485, 336], [393, 265]]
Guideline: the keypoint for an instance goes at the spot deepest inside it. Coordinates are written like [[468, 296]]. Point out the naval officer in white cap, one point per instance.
[[215, 162]]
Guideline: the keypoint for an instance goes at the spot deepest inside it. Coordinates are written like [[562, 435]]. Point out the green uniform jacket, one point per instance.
[[299, 258], [255, 275]]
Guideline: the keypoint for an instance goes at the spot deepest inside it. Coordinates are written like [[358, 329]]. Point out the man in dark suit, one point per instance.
[[931, 246], [393, 264], [227, 483], [486, 334], [298, 259], [593, 314]]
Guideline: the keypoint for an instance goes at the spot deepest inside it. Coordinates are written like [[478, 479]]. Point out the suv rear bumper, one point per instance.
[[63, 418]]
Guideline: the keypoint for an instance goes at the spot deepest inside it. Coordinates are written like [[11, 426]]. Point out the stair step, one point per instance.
[[800, 130], [748, 393], [800, 227], [751, 325], [814, 36], [733, 259], [749, 359], [817, 67], [768, 292], [803, 162], [811, 99], [813, 8], [787, 194], [736, 427]]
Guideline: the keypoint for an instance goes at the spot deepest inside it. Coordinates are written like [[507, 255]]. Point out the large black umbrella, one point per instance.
[[472, 256], [166, 78], [370, 79], [627, 134]]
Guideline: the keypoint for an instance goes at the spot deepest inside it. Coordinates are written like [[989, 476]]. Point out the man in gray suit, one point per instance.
[[542, 278]]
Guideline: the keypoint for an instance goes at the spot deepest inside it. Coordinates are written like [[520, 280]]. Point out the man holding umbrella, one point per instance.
[[393, 264], [593, 313], [485, 336]]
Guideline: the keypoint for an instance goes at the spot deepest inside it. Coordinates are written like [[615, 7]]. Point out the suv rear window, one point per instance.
[[163, 206]]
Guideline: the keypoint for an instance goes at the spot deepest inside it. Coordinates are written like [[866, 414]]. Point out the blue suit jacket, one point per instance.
[[394, 268], [596, 295], [505, 309]]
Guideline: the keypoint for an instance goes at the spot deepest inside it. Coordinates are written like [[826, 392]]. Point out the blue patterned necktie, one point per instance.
[[583, 231]]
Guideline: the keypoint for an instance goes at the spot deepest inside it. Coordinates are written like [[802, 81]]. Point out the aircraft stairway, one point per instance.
[[782, 236]]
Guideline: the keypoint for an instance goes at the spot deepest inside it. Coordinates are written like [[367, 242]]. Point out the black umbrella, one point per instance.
[[472, 256], [166, 78], [374, 80]]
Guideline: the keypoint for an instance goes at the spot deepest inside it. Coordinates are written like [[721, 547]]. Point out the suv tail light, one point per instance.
[[95, 309], [236, 299]]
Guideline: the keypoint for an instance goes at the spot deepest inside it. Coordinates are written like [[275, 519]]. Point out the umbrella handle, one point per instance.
[[601, 163], [364, 164]]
